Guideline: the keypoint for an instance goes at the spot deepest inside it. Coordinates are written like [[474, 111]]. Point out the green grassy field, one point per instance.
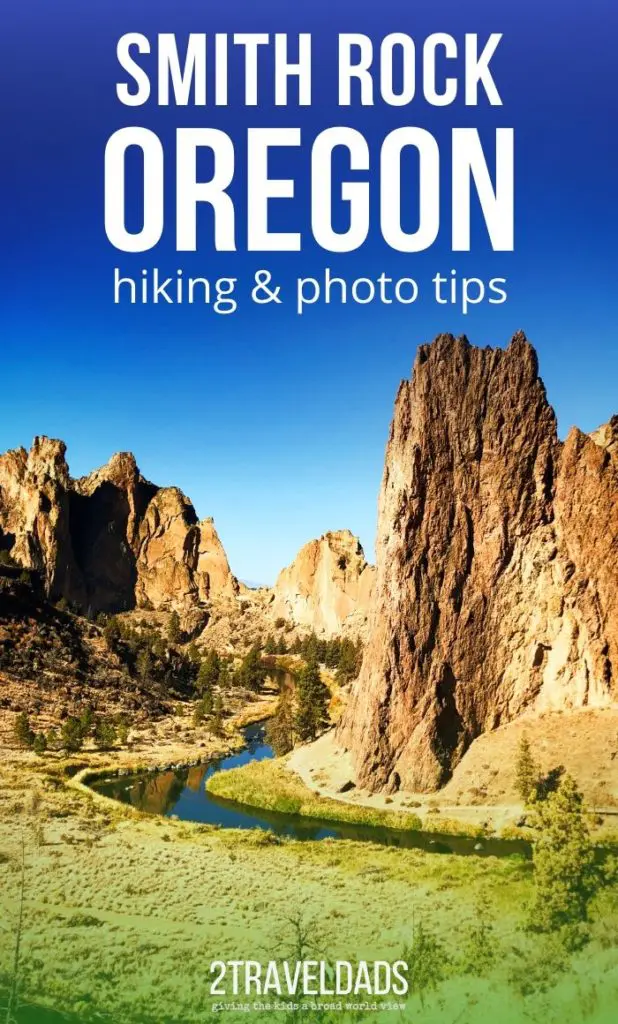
[[267, 784], [123, 914]]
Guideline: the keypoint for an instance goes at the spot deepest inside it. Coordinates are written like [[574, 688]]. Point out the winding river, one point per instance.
[[181, 793]]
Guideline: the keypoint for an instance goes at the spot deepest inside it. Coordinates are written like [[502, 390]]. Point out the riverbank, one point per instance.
[[326, 770], [270, 786]]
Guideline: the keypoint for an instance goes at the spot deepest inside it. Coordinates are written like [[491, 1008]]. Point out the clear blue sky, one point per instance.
[[276, 425]]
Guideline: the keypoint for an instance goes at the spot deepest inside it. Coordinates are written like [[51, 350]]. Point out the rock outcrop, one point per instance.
[[111, 541], [497, 566], [178, 555], [328, 586]]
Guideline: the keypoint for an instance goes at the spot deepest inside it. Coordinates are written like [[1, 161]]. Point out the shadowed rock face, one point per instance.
[[328, 586], [110, 541], [496, 566]]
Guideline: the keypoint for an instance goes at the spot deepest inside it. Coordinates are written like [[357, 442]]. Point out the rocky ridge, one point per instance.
[[111, 541], [497, 556], [114, 542]]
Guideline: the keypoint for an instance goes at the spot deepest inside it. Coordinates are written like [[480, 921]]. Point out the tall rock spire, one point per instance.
[[495, 574]]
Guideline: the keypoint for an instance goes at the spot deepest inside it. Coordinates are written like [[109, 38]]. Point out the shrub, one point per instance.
[[566, 872], [72, 736], [40, 744], [22, 731], [526, 771]]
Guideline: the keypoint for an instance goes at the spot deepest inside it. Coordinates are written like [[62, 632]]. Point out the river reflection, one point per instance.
[[182, 793]]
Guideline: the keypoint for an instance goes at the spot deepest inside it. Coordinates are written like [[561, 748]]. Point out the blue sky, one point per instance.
[[275, 424]]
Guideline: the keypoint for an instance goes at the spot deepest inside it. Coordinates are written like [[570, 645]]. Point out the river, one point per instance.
[[181, 793]]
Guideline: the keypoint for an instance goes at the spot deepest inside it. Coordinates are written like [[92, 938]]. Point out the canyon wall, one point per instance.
[[497, 566]]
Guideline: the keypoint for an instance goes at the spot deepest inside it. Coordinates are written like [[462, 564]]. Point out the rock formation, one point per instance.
[[110, 541], [328, 586], [497, 566]]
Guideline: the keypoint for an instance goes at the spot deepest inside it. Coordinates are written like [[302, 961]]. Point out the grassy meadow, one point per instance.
[[122, 914]]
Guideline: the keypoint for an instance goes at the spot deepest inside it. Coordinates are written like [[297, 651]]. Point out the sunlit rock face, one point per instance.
[[497, 566], [328, 586], [110, 541]]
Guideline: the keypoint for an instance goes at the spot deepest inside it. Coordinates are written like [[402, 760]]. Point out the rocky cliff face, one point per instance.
[[496, 566], [328, 586], [110, 541]]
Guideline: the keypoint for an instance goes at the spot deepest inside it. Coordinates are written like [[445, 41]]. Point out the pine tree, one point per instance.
[[193, 654], [72, 735], [22, 731], [40, 744], [105, 734], [52, 740], [209, 672], [281, 646], [280, 728], [270, 647], [174, 632], [143, 664], [312, 697], [225, 679], [310, 648], [123, 734], [333, 650], [526, 771], [111, 633], [86, 720], [217, 718], [566, 873], [252, 673]]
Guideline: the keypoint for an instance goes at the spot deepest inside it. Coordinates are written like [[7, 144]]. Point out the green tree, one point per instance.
[[174, 632], [217, 718], [122, 731], [270, 647], [349, 660], [566, 874], [281, 646], [312, 697], [22, 731], [40, 744], [72, 736], [111, 633], [143, 664], [159, 647], [526, 771], [86, 721], [53, 740], [105, 734], [225, 679], [280, 728], [209, 672], [193, 654], [252, 673], [333, 653]]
